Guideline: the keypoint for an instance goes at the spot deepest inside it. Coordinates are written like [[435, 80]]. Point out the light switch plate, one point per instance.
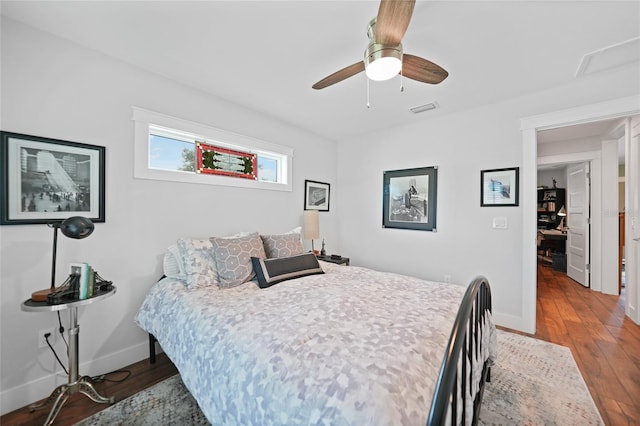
[[500, 223]]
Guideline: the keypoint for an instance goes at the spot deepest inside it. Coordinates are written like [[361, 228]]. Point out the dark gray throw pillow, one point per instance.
[[273, 271]]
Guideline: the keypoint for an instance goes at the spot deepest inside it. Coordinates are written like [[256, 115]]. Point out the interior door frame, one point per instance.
[[618, 108]]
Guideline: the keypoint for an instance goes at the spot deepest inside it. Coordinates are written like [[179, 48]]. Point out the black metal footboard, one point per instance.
[[456, 373]]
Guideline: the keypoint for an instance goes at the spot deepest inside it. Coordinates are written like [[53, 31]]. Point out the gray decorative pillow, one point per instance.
[[282, 245], [233, 258], [273, 271], [199, 265]]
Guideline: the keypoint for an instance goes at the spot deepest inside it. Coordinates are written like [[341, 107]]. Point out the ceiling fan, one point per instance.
[[383, 58]]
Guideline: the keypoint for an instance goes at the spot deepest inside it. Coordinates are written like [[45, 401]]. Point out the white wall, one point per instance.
[[465, 244], [56, 89], [569, 147], [545, 177], [461, 145]]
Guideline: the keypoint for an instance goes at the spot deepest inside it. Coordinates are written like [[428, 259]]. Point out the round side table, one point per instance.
[[76, 382]]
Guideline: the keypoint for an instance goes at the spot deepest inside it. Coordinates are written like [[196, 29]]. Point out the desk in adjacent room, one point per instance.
[[556, 241], [553, 234]]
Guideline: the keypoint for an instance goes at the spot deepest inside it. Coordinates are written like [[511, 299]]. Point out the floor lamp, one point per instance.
[[76, 227], [311, 226]]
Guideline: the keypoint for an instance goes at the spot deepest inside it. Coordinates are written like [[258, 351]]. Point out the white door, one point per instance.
[[578, 222], [632, 231]]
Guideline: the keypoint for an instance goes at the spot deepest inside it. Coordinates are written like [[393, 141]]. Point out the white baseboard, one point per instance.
[[512, 322], [19, 396]]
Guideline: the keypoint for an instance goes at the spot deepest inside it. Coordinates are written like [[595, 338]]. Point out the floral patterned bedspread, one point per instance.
[[349, 347]]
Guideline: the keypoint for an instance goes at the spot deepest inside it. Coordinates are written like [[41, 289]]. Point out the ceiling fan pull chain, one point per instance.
[[401, 85], [368, 104]]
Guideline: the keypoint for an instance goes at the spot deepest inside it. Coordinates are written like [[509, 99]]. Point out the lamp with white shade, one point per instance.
[[311, 226]]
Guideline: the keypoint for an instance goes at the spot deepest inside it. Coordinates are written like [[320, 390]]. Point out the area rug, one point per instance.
[[533, 383], [165, 403], [536, 383]]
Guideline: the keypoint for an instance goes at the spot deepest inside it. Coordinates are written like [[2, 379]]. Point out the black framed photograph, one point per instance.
[[316, 195], [409, 198], [45, 180], [499, 187]]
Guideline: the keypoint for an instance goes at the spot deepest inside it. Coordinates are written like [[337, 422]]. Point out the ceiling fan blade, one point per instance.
[[340, 75], [393, 20], [419, 69]]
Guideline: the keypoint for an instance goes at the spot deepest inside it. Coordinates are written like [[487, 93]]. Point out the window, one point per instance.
[[170, 153], [168, 148]]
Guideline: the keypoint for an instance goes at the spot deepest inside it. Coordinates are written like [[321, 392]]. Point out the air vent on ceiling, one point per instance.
[[610, 57], [423, 108]]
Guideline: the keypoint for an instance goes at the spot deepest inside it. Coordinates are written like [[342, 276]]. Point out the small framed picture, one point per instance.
[[499, 187], [316, 195], [45, 180]]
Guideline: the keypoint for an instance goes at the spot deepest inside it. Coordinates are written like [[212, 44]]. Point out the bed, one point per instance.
[[342, 345]]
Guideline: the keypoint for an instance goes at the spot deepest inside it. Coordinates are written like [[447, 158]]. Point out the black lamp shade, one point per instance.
[[77, 227]]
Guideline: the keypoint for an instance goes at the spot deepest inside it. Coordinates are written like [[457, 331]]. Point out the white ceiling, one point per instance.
[[596, 129], [265, 55], [579, 131]]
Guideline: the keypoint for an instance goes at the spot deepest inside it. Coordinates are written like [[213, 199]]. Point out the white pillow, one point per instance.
[[172, 264], [199, 266], [296, 230]]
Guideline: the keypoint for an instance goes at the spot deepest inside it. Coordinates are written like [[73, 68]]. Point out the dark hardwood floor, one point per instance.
[[603, 341], [143, 374]]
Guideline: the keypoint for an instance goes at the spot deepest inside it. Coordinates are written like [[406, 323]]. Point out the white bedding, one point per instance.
[[349, 347]]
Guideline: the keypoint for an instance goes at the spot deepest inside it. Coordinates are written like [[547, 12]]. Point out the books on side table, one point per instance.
[[83, 283], [86, 279]]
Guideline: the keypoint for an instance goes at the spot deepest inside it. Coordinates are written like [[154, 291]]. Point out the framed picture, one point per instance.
[[499, 187], [316, 195], [409, 199], [46, 180]]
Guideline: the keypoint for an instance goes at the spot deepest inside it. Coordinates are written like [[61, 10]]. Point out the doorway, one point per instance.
[[564, 221], [619, 108]]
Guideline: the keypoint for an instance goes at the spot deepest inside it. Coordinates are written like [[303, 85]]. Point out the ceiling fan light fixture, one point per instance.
[[384, 58], [382, 62]]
